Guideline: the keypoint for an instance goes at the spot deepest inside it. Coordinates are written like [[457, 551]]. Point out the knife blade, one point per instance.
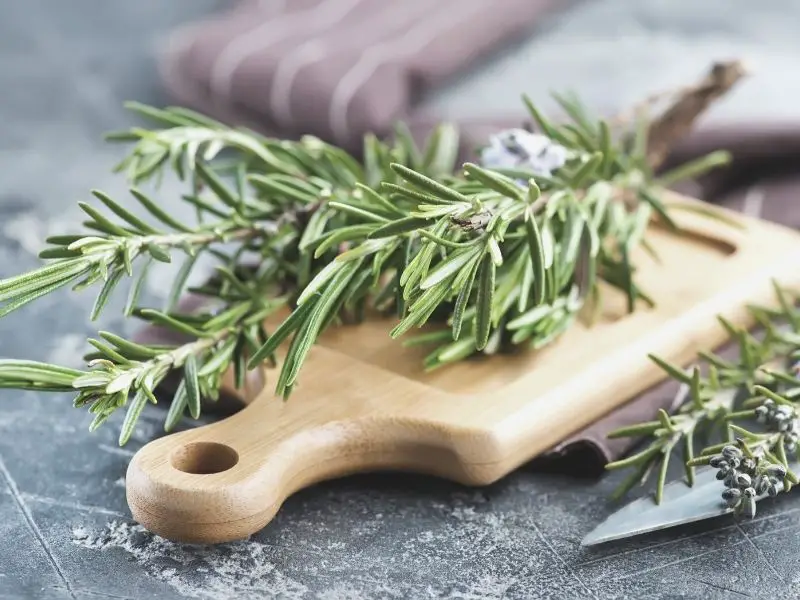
[[680, 504]]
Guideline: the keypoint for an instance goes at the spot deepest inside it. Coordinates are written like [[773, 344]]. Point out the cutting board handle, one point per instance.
[[225, 481]]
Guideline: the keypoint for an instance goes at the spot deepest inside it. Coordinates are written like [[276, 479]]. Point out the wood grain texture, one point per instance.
[[365, 404]]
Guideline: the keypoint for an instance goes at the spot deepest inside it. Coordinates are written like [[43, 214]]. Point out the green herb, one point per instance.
[[497, 258], [748, 404]]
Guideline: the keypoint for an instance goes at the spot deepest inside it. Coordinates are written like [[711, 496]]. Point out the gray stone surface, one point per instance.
[[65, 532]]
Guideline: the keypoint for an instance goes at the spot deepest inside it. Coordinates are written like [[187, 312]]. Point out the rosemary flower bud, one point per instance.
[[777, 471], [766, 411], [744, 480], [517, 148], [780, 418], [784, 424], [718, 462], [749, 503], [732, 497], [730, 452], [724, 465], [762, 484]]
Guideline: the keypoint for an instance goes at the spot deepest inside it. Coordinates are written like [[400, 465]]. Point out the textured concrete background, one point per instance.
[[65, 69]]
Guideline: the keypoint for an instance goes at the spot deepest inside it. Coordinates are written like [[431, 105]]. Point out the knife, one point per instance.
[[680, 504]]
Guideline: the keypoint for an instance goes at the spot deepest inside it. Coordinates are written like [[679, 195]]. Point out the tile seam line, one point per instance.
[[558, 557], [28, 516], [760, 553]]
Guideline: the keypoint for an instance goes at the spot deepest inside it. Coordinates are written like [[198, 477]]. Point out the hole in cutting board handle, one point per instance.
[[204, 458]]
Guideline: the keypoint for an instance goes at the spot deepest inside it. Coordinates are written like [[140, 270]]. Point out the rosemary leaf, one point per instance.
[[180, 282], [694, 168], [586, 170], [635, 430], [358, 212], [283, 331], [448, 267], [398, 227], [441, 150], [102, 222], [688, 453], [379, 200], [672, 370], [129, 349], [412, 194], [136, 288], [124, 214], [134, 410], [655, 202], [463, 298], [158, 252], [157, 212], [192, 386], [105, 292], [637, 458], [499, 183], [486, 282], [662, 473], [163, 319], [537, 258], [220, 359], [30, 297], [433, 187]]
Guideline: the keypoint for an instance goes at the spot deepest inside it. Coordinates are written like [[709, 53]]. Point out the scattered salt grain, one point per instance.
[[241, 570]]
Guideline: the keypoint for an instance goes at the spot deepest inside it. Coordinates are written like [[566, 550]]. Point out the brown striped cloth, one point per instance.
[[336, 69], [340, 68]]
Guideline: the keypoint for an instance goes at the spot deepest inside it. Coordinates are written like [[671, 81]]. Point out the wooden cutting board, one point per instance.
[[364, 403]]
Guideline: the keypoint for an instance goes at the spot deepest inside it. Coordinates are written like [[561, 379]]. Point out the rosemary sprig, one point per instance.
[[496, 255], [747, 402]]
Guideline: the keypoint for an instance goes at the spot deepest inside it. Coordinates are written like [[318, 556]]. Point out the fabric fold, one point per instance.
[[336, 69]]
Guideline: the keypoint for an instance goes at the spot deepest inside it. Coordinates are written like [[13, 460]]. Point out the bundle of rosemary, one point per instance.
[[497, 254]]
